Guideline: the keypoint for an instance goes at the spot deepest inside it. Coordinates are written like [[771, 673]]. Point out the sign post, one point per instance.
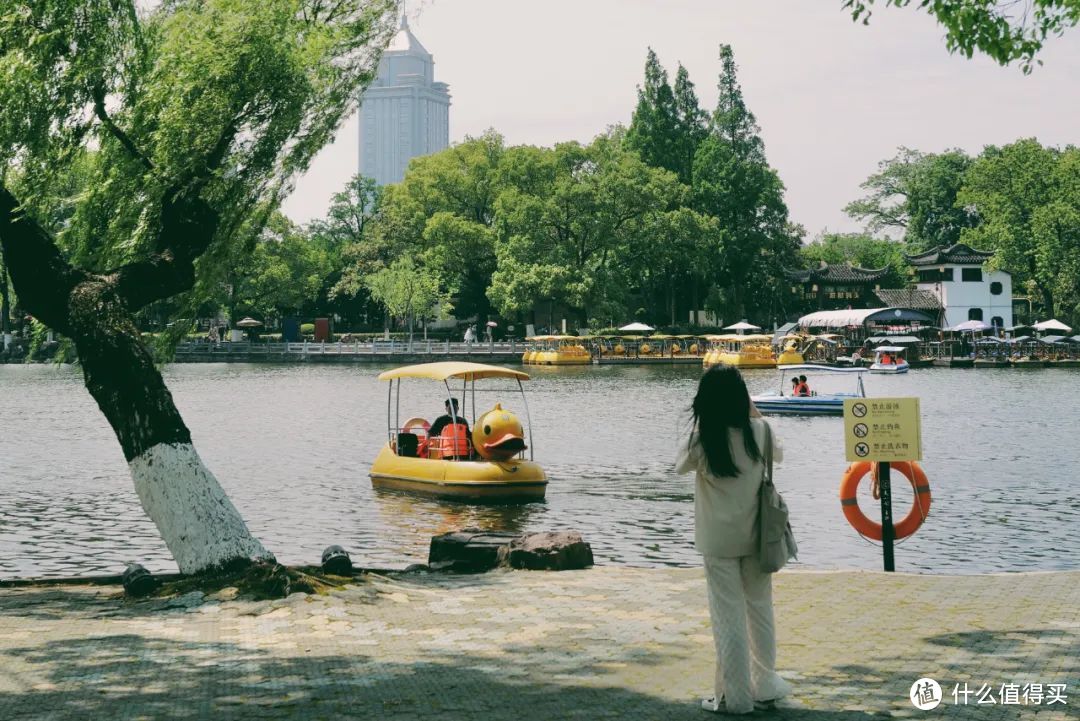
[[883, 430]]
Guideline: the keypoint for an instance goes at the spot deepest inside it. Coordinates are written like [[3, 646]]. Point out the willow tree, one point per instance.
[[187, 122]]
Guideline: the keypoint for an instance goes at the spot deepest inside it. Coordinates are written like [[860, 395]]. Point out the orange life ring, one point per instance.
[[418, 422], [849, 501]]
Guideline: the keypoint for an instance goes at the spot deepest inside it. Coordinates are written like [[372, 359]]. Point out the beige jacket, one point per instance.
[[726, 508]]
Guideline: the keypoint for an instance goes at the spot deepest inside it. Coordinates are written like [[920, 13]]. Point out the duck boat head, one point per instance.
[[498, 434]]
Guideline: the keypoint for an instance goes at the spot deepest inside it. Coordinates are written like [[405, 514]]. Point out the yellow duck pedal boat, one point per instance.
[[485, 465]]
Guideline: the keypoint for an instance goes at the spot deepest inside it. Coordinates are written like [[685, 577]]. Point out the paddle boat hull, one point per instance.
[[830, 405], [474, 481], [890, 368], [790, 357], [748, 359]]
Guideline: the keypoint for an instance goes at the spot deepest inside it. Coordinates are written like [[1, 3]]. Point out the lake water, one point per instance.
[[292, 446]]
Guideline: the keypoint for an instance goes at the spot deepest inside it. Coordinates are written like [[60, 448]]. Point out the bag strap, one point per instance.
[[767, 454]]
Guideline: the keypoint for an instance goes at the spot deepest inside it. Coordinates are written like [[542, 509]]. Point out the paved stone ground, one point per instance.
[[609, 642]]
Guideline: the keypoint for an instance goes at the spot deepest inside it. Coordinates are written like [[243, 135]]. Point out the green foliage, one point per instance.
[[226, 98], [654, 127], [1001, 30], [408, 291], [733, 182], [1028, 200], [307, 328], [572, 223], [916, 193]]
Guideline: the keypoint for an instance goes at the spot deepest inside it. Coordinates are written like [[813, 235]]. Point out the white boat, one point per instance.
[[889, 359], [819, 404]]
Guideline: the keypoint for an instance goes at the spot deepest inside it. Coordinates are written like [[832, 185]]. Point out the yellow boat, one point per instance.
[[741, 351], [493, 467], [791, 355], [557, 350]]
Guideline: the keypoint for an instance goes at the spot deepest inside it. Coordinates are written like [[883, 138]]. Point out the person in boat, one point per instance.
[[803, 388], [725, 450], [886, 359], [794, 385], [450, 433]]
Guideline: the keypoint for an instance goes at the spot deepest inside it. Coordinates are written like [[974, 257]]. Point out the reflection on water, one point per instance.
[[292, 446]]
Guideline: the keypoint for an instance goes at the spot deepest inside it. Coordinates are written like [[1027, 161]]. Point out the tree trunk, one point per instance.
[[5, 306], [198, 523]]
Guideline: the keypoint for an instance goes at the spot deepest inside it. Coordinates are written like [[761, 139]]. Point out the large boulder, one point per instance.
[[549, 551], [470, 550]]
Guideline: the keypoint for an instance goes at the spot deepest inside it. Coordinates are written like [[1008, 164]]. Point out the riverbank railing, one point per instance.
[[376, 347]]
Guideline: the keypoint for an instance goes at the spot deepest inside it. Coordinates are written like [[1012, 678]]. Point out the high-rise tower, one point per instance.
[[404, 112]]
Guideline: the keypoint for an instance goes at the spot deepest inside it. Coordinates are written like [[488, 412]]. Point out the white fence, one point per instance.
[[379, 347]]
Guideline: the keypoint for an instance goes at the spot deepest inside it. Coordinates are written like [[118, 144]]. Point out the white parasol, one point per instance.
[[637, 327]]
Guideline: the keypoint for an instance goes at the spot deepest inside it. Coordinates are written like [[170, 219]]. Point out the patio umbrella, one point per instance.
[[1053, 324], [637, 327], [742, 325], [248, 323], [971, 326]]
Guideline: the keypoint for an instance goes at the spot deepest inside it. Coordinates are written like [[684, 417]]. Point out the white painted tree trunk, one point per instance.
[[197, 521]]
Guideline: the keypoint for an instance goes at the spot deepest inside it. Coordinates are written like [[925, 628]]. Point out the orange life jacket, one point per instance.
[[802, 390], [453, 441]]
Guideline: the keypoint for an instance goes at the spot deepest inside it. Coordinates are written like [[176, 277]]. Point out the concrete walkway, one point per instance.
[[609, 642]]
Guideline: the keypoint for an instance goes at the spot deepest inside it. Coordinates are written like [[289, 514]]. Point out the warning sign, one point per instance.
[[882, 429]]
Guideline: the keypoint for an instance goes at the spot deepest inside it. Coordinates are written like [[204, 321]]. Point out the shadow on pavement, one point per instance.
[[136, 677]]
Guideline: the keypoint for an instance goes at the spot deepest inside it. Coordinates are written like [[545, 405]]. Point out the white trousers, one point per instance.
[[740, 605]]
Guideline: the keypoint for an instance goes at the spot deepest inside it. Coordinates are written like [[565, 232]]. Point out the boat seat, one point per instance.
[[407, 445]]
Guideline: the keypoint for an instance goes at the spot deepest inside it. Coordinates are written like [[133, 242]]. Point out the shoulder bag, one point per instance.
[[776, 541]]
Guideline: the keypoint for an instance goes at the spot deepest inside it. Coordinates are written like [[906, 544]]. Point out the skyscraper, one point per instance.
[[404, 112]]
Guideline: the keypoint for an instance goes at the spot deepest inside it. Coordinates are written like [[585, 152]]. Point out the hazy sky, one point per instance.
[[832, 98]]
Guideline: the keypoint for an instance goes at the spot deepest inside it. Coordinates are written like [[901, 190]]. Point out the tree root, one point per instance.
[[256, 581]]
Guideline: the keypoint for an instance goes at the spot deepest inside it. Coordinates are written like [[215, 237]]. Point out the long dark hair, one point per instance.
[[722, 402]]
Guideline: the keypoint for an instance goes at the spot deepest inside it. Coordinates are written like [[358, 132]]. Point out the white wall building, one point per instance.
[[966, 289], [404, 113]]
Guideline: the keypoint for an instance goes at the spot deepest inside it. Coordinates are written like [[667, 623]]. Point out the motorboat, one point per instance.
[[816, 404], [889, 359], [486, 464]]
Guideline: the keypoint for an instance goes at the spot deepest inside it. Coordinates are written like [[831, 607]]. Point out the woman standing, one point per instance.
[[725, 451]]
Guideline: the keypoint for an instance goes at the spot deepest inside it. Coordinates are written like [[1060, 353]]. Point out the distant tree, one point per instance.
[[408, 291], [916, 193], [1005, 31], [347, 236], [284, 271], [440, 214], [654, 127], [733, 181], [1028, 200], [692, 126], [570, 222], [191, 119]]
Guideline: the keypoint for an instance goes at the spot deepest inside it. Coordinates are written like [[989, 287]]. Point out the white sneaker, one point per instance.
[[712, 704]]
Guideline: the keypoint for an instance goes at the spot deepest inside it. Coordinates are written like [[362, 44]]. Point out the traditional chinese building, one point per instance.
[[835, 287], [966, 290]]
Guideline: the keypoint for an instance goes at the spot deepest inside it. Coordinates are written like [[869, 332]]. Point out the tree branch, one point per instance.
[[41, 275], [188, 227], [98, 94]]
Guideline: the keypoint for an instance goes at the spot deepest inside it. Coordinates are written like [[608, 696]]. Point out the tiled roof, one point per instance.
[[960, 253], [846, 273], [915, 298]]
